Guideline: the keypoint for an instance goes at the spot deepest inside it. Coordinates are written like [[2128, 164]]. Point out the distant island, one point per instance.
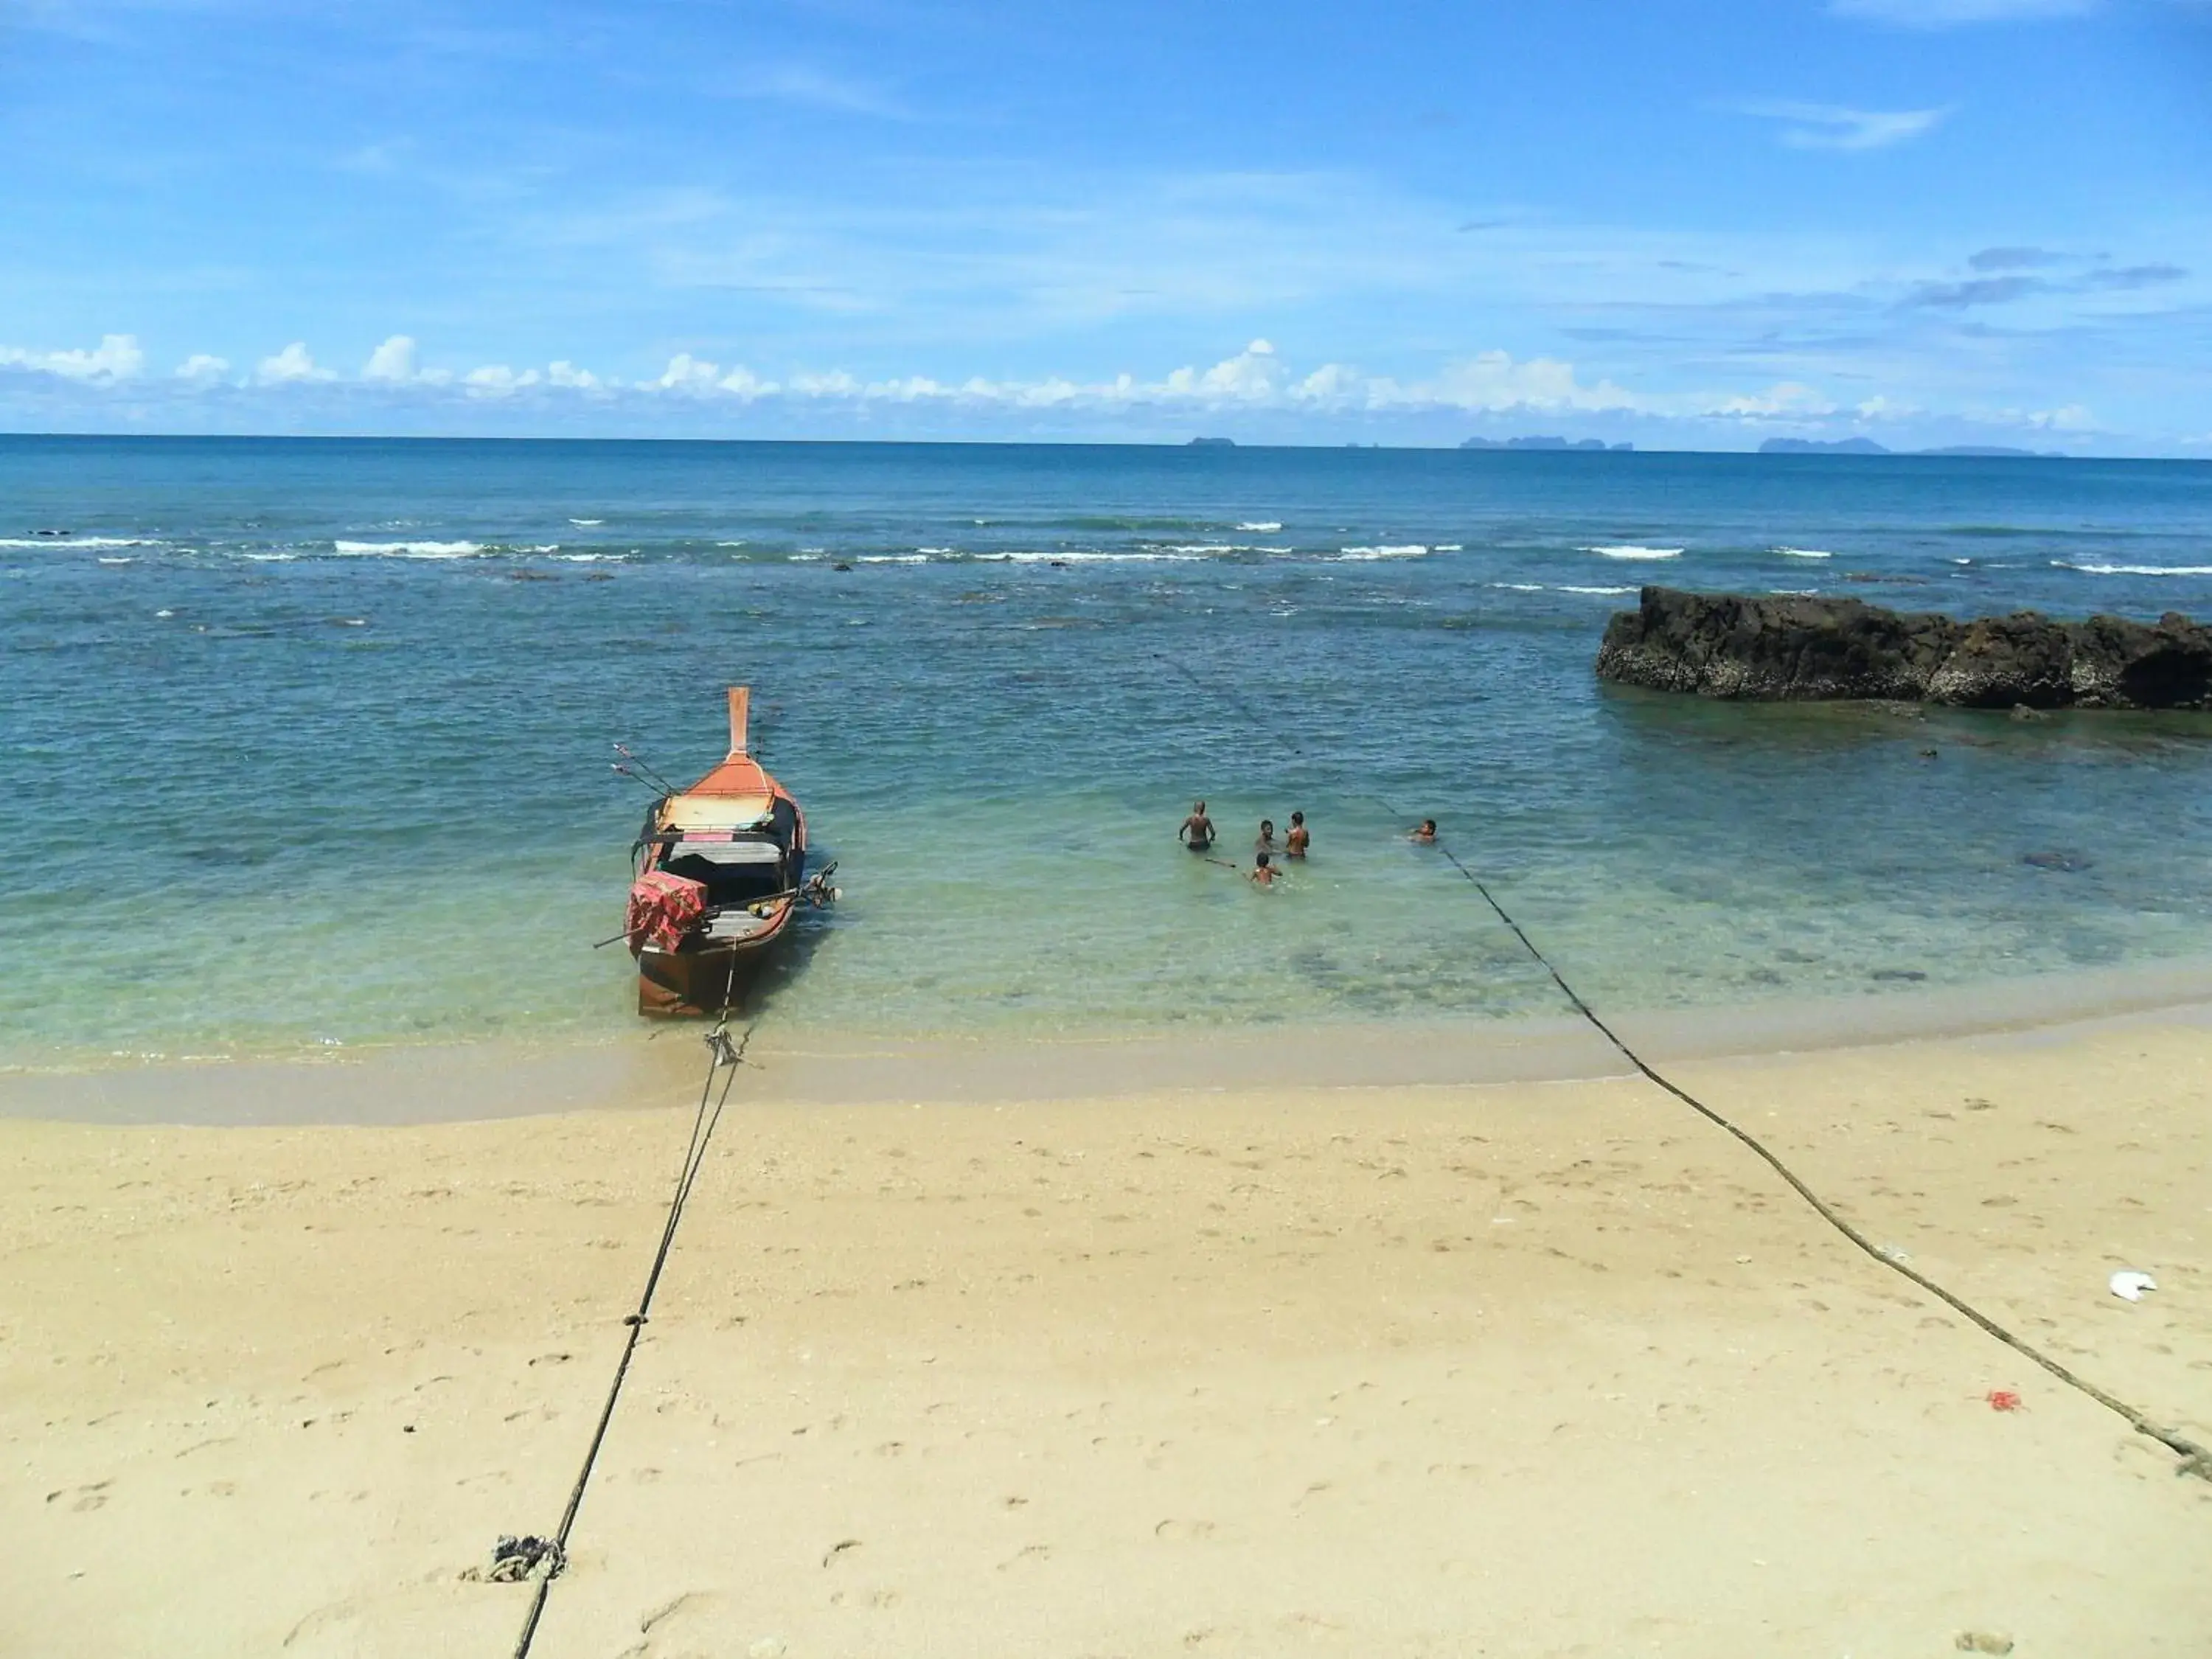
[[1213, 443], [1868, 446], [1542, 443]]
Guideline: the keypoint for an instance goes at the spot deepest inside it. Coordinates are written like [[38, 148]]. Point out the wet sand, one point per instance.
[[1514, 1368]]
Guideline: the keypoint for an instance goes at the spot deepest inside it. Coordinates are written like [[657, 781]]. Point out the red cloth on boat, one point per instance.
[[663, 908]]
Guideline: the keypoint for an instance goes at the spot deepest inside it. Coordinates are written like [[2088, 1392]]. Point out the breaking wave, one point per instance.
[[77, 541], [410, 550], [1631, 550], [2135, 569]]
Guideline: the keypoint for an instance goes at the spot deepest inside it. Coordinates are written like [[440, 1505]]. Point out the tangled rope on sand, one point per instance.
[[514, 1559]]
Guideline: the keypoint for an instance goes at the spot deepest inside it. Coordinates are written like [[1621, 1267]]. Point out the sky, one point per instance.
[[1681, 223]]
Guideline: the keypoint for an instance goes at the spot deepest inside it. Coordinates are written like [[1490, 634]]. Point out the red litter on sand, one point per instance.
[[2002, 1400]]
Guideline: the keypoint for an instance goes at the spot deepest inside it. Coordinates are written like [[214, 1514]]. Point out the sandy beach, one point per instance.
[[1519, 1368]]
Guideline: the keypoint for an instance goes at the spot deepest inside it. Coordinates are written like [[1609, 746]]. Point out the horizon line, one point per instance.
[[1207, 443]]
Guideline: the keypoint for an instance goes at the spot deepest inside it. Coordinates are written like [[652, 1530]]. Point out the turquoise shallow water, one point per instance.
[[307, 742]]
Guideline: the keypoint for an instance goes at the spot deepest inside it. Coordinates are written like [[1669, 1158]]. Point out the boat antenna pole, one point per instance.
[[651, 774]]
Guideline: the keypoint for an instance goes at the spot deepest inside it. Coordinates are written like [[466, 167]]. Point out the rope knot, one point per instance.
[[514, 1559]]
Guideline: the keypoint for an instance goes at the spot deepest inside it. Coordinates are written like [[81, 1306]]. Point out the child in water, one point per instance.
[[1426, 834], [1263, 870], [1295, 843]]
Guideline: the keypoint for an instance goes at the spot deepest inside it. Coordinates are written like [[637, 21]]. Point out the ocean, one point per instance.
[[308, 742]]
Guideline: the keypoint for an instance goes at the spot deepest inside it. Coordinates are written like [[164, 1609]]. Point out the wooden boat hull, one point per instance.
[[693, 984]]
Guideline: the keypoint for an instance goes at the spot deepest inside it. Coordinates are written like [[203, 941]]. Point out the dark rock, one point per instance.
[[2118, 664], [1909, 975], [2003, 662], [1773, 650], [2062, 860], [1790, 648]]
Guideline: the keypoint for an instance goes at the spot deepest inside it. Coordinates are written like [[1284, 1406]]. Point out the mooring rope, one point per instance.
[[2195, 1460], [724, 1056]]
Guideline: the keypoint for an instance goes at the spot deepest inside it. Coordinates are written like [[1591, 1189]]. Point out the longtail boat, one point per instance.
[[720, 873]]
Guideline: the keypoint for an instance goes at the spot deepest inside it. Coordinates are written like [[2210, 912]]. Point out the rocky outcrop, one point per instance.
[[1788, 649]]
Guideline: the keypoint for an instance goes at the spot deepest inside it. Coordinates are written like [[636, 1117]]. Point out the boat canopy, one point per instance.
[[697, 809]]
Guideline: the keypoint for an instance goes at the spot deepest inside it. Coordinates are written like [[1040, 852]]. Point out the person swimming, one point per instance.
[[1425, 834], [1296, 842], [1197, 830], [1265, 843], [1263, 870]]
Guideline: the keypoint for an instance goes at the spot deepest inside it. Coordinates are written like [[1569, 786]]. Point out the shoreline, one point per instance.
[[659, 1063], [1531, 1368]]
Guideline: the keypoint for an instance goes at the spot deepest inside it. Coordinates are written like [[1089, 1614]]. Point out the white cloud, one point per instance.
[[1492, 379], [1785, 398], [1837, 126], [289, 365], [116, 357], [1326, 384], [1881, 407], [1255, 378], [700, 378], [1253, 375], [685, 372], [392, 360], [1949, 14], [498, 381], [1284, 397]]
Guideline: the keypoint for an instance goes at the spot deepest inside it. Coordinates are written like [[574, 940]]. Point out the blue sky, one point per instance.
[[1683, 222]]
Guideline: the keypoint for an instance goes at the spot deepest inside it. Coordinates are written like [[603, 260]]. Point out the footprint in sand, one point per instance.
[[1176, 1531], [691, 1602]]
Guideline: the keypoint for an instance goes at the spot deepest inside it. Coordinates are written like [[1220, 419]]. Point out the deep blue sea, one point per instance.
[[308, 742]]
